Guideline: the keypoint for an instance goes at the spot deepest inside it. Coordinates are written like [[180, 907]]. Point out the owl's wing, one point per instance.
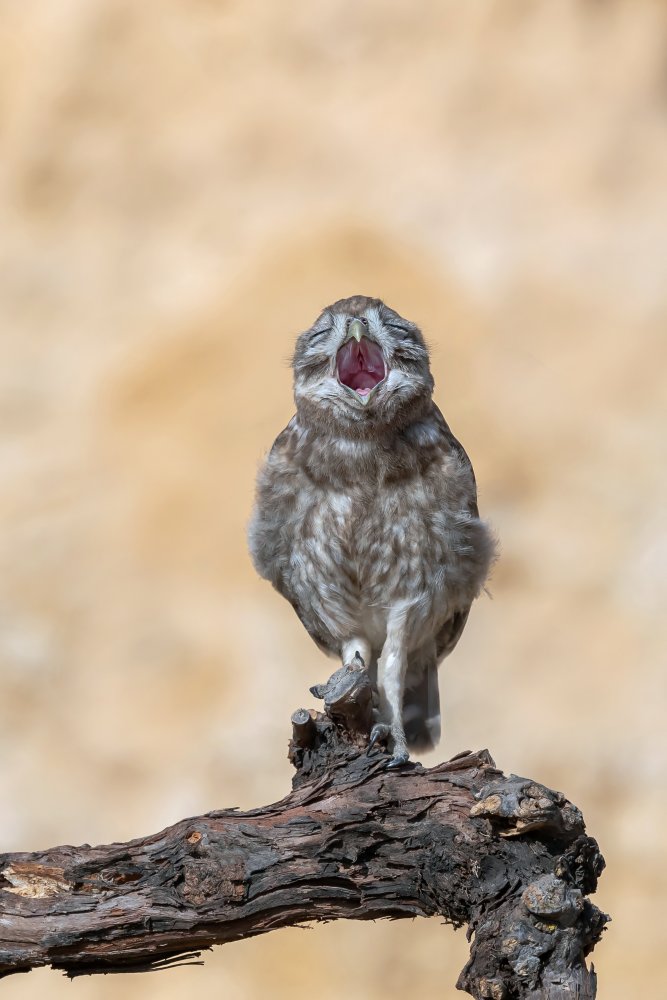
[[278, 483], [450, 632], [452, 444]]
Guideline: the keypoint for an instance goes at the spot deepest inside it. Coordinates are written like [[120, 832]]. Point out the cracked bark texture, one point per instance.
[[505, 856]]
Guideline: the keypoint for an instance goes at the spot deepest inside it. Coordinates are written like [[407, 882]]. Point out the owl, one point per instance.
[[366, 518]]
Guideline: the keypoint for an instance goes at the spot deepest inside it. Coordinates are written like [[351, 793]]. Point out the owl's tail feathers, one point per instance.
[[421, 708]]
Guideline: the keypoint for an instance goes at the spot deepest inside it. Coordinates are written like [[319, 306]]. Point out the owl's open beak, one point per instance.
[[360, 363]]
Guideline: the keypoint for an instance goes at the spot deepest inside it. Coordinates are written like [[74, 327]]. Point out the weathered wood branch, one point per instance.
[[505, 856]]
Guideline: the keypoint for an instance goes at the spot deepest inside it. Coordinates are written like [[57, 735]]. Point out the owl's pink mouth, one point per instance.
[[360, 365]]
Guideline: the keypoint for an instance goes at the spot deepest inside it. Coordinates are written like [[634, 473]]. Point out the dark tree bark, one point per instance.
[[505, 856]]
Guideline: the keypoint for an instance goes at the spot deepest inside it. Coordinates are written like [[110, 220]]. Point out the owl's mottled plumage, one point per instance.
[[366, 512]]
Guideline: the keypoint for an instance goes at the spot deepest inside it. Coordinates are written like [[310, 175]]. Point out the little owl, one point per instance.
[[366, 514]]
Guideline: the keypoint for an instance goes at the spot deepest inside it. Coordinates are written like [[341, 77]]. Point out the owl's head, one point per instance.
[[361, 366]]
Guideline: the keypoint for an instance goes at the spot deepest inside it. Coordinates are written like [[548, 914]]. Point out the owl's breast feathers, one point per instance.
[[347, 529]]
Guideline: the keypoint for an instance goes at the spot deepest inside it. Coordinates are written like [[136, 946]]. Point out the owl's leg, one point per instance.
[[392, 667], [355, 649]]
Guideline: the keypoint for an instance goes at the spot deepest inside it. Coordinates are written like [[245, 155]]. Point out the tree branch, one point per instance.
[[505, 856]]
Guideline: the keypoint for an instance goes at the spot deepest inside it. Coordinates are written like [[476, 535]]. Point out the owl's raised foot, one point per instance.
[[357, 662]]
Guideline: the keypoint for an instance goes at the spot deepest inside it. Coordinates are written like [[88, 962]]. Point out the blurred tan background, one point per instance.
[[184, 184]]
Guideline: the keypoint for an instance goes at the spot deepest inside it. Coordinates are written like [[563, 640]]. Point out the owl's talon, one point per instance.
[[356, 663], [398, 760], [379, 734]]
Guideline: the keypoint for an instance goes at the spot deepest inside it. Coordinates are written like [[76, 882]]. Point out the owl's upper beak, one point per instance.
[[356, 329], [360, 362]]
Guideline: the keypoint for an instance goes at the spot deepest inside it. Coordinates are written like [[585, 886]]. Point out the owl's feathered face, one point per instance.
[[361, 366]]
